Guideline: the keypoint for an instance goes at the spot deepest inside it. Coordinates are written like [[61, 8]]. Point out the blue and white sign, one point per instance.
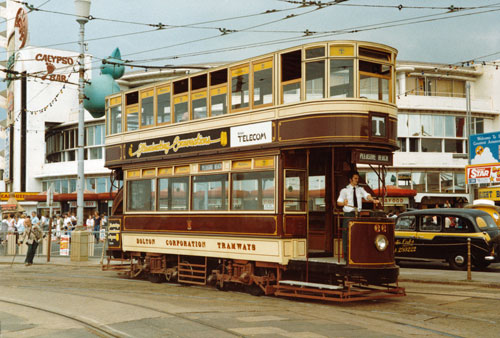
[[484, 148]]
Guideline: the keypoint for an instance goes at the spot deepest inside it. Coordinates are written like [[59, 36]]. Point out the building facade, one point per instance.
[[432, 127]]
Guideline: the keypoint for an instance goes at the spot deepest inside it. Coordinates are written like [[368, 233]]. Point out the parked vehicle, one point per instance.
[[487, 206], [441, 234]]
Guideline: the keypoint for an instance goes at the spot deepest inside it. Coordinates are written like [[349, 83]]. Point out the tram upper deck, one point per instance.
[[334, 92]]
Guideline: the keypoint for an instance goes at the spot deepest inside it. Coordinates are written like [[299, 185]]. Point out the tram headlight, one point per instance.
[[381, 242]]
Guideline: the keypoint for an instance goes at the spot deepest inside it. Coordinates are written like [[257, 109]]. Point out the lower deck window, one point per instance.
[[210, 192], [253, 191], [173, 194], [141, 195]]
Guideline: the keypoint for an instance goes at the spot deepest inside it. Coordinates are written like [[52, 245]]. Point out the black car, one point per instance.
[[441, 234]]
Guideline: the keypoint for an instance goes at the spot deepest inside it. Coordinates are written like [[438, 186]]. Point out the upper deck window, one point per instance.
[[131, 98], [374, 54], [291, 73], [147, 108], [240, 88], [315, 52], [315, 80], [181, 112], [341, 78], [132, 118], [218, 92], [374, 80], [263, 83], [199, 105], [115, 115], [163, 105]]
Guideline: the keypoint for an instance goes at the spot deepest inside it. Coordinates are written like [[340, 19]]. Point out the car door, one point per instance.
[[429, 236], [405, 234]]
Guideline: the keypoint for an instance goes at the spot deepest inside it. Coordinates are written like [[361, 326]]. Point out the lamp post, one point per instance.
[[82, 10]]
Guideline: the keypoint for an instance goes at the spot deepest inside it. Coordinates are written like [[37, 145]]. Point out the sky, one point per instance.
[[442, 36]]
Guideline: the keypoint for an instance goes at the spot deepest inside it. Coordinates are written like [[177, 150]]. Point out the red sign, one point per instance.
[[479, 172], [476, 174], [22, 23]]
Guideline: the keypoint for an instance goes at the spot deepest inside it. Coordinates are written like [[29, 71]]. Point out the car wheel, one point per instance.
[[458, 261]]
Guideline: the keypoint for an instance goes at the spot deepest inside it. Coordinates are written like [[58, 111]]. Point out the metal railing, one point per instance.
[[60, 246]]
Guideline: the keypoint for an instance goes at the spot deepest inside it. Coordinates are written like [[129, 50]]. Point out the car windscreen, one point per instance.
[[485, 222]]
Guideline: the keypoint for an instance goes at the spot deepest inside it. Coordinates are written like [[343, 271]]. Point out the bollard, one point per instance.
[[469, 274], [79, 246]]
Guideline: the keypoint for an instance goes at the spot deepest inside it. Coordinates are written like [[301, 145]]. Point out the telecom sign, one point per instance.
[[484, 148]]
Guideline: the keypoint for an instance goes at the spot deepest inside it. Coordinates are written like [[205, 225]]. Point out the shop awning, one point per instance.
[[393, 191], [420, 196]]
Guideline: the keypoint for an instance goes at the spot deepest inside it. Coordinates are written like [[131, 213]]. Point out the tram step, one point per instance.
[[191, 273], [310, 285]]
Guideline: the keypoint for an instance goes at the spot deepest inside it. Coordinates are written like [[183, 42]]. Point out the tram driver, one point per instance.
[[351, 199]]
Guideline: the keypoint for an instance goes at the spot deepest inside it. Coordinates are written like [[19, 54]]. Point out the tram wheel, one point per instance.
[[156, 278], [254, 290], [458, 261]]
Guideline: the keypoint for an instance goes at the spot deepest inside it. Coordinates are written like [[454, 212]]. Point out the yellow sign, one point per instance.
[[492, 194], [20, 196], [341, 50], [115, 100]]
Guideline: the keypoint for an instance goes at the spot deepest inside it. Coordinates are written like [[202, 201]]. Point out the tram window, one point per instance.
[[317, 193], [115, 119], [263, 83], [374, 54], [132, 98], [315, 80], [291, 73], [199, 105], [291, 92], [199, 82], [141, 195], [132, 118], [295, 190], [181, 112], [210, 192], [240, 88], [173, 194], [218, 77], [163, 106], [218, 101], [315, 52], [341, 78], [181, 86], [374, 81], [147, 108], [253, 191]]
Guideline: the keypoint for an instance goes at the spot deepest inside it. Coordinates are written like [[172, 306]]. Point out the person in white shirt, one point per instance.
[[351, 200], [90, 223], [20, 224]]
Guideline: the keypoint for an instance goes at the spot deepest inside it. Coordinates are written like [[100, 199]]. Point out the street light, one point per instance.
[[82, 10]]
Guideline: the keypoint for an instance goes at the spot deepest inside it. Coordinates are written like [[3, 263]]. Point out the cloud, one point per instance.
[[485, 157]]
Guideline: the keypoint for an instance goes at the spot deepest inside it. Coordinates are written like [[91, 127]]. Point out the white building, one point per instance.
[[41, 136], [432, 126]]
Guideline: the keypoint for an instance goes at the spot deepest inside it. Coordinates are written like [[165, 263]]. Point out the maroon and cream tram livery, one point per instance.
[[230, 175]]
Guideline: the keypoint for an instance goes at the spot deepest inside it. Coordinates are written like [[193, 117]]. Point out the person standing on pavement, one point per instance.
[[90, 223], [34, 219], [20, 224], [351, 199], [31, 236], [97, 225]]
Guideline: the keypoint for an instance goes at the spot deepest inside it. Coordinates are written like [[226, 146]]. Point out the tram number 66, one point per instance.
[[380, 227]]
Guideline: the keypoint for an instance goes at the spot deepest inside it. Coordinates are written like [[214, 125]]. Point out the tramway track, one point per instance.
[[101, 330]]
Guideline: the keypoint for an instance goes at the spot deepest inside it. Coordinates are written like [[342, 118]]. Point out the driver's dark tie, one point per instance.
[[355, 198]]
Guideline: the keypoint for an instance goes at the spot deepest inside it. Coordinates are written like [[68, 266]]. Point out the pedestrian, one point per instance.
[[32, 236], [11, 221], [90, 223], [34, 219], [97, 225], [351, 199], [20, 224], [447, 204]]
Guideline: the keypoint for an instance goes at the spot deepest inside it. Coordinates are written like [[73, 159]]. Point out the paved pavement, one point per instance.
[[407, 274]]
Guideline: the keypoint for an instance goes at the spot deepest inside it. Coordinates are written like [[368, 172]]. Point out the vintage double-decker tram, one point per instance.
[[231, 175]]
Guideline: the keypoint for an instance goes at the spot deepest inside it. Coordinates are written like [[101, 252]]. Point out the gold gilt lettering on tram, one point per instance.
[[178, 143], [145, 241], [185, 244], [236, 246]]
